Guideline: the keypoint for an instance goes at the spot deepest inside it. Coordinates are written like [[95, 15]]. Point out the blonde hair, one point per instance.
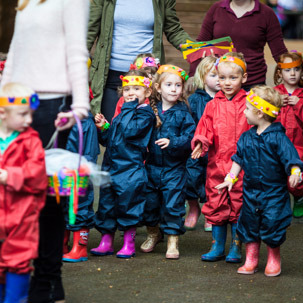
[[278, 70], [236, 55], [13, 89], [204, 67], [156, 96], [271, 96], [22, 5]]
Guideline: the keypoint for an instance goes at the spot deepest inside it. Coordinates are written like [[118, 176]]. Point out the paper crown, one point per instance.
[[136, 80], [32, 101], [173, 70], [146, 62], [232, 59], [291, 64], [262, 104]]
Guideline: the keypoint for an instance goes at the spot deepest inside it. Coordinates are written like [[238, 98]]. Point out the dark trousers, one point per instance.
[[46, 285]]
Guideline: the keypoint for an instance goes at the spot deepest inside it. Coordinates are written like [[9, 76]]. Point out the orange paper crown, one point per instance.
[[290, 64], [168, 68], [235, 60], [32, 101]]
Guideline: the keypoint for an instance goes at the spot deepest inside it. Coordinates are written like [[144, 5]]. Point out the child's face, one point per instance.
[[171, 88], [230, 79], [133, 92], [212, 80], [17, 118], [251, 116], [291, 76]]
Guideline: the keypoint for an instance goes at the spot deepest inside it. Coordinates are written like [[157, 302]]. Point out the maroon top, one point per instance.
[[248, 33]]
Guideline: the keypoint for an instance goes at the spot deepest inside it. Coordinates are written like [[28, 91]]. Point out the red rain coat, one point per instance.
[[219, 130], [21, 200]]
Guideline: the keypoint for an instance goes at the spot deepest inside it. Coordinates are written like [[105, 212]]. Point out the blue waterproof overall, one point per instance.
[[122, 204]]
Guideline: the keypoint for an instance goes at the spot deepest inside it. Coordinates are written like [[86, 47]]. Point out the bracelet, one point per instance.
[[297, 172], [104, 127], [231, 178]]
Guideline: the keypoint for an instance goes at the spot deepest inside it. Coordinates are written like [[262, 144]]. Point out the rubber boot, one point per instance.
[[79, 250], [298, 207], [128, 250], [154, 236], [193, 215], [234, 255], [207, 226], [106, 246], [16, 288], [172, 247], [217, 251], [252, 259], [2, 287], [273, 266], [65, 241]]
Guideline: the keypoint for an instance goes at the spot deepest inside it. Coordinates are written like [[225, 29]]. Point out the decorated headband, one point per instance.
[[262, 105], [173, 70], [146, 62], [233, 60], [135, 80], [32, 101]]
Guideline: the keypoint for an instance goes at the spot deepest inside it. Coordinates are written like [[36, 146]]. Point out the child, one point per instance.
[[85, 215], [218, 131], [207, 81], [121, 205], [23, 184], [289, 77], [166, 162], [267, 157], [149, 64]]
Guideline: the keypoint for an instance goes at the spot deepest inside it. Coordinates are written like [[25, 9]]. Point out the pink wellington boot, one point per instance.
[[128, 250], [273, 266], [65, 241], [252, 259], [106, 246], [193, 214]]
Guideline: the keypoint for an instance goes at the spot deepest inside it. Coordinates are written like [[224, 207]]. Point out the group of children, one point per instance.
[[158, 147]]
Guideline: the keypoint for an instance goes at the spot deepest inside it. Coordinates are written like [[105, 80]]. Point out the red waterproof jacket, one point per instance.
[[291, 117], [219, 130], [21, 200]]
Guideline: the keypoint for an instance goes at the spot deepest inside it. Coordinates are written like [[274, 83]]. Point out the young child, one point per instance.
[[85, 216], [217, 133], [121, 205], [23, 184], [166, 161], [149, 64], [267, 157], [289, 80], [207, 83]]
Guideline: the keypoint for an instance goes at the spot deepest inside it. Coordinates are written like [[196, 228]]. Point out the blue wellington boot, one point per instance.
[[234, 255], [2, 286], [217, 251], [16, 289]]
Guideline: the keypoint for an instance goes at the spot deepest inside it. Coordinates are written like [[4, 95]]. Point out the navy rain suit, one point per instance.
[[166, 169], [122, 204], [196, 168], [266, 160], [91, 150]]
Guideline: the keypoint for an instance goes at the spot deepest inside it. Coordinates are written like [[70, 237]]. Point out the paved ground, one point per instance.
[[151, 278]]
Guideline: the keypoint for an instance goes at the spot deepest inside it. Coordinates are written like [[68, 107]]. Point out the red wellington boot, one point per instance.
[[193, 214], [65, 241], [78, 252], [252, 259], [273, 266]]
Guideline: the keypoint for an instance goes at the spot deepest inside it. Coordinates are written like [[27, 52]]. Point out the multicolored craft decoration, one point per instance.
[[232, 59], [32, 101], [168, 68], [147, 62], [262, 104], [135, 80], [193, 51]]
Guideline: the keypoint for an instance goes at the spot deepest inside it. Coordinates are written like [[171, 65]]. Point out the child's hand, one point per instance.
[[197, 152], [100, 120], [293, 180], [3, 176], [293, 100], [163, 142], [285, 99], [227, 184]]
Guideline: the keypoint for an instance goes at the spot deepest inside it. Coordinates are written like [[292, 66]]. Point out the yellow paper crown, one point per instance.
[[168, 68], [32, 101], [235, 60], [136, 80], [262, 105]]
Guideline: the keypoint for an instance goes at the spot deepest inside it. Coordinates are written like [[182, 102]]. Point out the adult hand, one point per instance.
[[65, 120], [163, 142]]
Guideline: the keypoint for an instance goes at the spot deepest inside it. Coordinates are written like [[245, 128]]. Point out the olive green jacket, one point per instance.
[[101, 27]]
